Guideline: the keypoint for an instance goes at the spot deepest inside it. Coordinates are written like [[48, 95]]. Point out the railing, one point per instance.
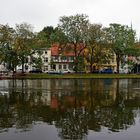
[[63, 60]]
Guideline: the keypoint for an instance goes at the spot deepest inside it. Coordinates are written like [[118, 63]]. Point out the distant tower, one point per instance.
[[131, 25]]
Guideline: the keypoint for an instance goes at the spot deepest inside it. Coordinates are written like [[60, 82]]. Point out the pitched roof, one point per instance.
[[65, 51], [54, 49]]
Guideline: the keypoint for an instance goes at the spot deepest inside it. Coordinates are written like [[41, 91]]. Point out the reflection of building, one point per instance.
[[54, 102], [74, 93], [4, 93]]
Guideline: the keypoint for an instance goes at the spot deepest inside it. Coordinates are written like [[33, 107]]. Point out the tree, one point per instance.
[[58, 36], [44, 37], [49, 36], [8, 55], [36, 60], [24, 41], [75, 29], [96, 51], [120, 38]]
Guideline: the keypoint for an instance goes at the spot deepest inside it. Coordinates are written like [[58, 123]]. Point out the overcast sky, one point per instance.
[[41, 13]]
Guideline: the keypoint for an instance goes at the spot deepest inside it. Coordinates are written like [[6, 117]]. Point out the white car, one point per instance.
[[67, 71], [53, 72]]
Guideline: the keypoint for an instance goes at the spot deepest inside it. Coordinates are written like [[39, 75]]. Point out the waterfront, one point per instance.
[[70, 109]]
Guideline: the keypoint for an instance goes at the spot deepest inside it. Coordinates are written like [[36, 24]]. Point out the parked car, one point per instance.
[[35, 71], [53, 72], [109, 70], [67, 71], [60, 71], [95, 71]]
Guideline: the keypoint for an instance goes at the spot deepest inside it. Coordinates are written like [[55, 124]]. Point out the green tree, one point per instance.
[[8, 55], [96, 50], [49, 36], [36, 60], [75, 29], [24, 41], [58, 36], [120, 38], [44, 37]]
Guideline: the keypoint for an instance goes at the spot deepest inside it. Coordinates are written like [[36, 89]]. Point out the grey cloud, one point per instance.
[[42, 13]]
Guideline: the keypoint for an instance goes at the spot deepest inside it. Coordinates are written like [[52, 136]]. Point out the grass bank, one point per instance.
[[76, 76]]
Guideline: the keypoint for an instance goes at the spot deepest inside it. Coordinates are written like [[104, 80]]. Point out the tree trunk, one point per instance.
[[91, 61], [76, 59], [118, 62], [90, 68], [76, 65], [22, 64]]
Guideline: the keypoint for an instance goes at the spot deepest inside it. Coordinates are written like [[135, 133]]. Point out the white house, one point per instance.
[[44, 54]]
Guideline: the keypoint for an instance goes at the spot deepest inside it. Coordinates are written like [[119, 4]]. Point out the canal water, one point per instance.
[[97, 109]]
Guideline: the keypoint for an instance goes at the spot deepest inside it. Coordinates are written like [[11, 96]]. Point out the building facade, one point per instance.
[[61, 60], [57, 59], [31, 62]]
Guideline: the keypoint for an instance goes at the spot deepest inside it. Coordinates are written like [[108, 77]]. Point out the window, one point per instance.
[[26, 67], [55, 58], [26, 60], [113, 58], [71, 58], [64, 58], [46, 59], [60, 67], [70, 66], [64, 67], [45, 68]]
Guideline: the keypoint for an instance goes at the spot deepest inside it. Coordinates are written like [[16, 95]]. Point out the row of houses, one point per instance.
[[53, 59], [56, 59]]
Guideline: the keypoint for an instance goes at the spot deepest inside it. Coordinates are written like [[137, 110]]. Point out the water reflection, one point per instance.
[[73, 106]]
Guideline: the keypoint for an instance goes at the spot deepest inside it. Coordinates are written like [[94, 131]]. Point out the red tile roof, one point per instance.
[[54, 49], [69, 51], [54, 103]]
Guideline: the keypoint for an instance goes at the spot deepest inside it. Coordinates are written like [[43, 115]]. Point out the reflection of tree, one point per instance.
[[114, 119], [109, 112], [74, 124], [89, 104], [100, 93], [6, 117]]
